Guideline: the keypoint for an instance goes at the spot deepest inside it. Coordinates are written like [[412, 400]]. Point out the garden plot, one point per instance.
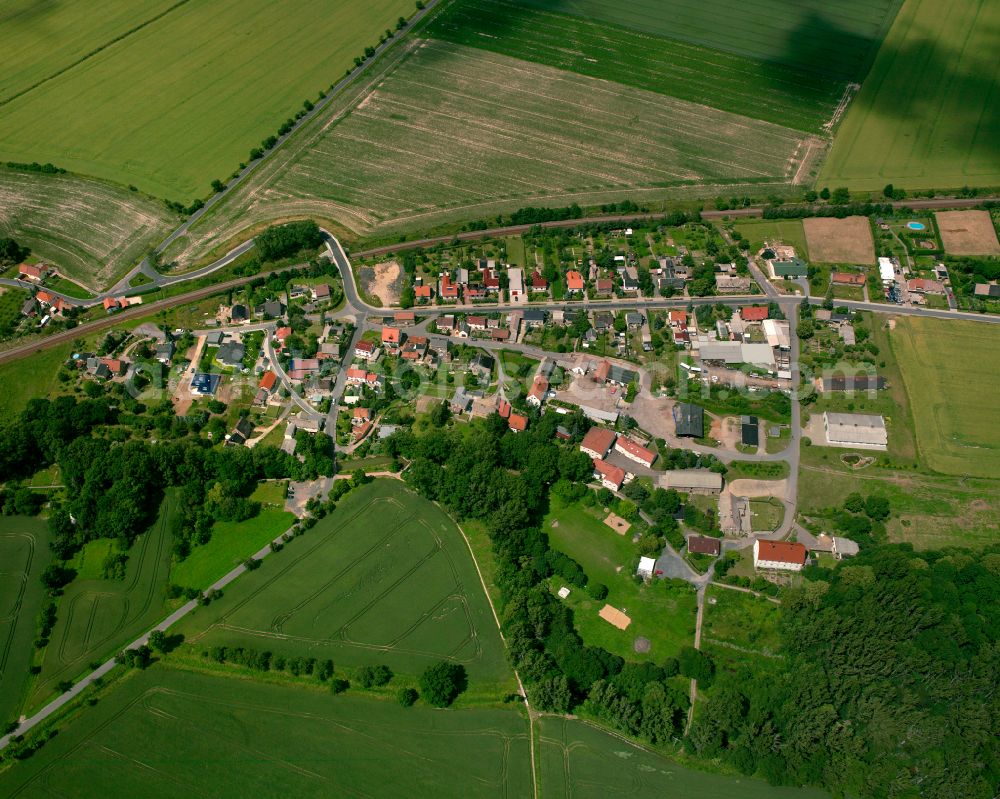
[[840, 241], [968, 233]]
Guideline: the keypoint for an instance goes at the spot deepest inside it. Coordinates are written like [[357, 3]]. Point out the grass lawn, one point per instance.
[[925, 117], [576, 759], [270, 493], [952, 392], [385, 578], [660, 612], [740, 629], [24, 554], [98, 616], [204, 735], [786, 231], [27, 378], [89, 561], [231, 544], [68, 287], [208, 63], [767, 514], [50, 476], [772, 445], [928, 510], [375, 463]]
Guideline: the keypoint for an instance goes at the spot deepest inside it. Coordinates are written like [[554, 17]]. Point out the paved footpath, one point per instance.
[[104, 668]]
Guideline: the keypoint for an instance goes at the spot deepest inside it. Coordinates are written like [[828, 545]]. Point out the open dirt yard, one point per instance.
[[968, 233], [840, 241], [383, 281]]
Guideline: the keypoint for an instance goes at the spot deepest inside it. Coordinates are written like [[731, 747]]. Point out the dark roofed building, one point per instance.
[[749, 431], [854, 383], [703, 545], [533, 317], [689, 420]]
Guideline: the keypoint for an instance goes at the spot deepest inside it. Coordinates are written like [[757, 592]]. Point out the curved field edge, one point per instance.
[[84, 632], [927, 117], [183, 100], [148, 736], [24, 544], [575, 754], [91, 231], [386, 578], [448, 132]]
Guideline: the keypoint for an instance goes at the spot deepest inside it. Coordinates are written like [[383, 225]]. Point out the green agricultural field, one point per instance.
[[801, 91], [585, 762], [159, 108], [953, 393], [436, 137], [740, 630], [92, 231], [24, 554], [662, 614], [385, 578], [927, 115], [809, 34], [165, 733], [231, 544], [97, 617], [27, 378]]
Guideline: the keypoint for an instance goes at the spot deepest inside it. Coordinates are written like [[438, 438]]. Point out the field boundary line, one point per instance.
[[92, 53], [527, 705]]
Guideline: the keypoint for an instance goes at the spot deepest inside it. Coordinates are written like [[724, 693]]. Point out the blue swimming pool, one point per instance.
[[916, 225]]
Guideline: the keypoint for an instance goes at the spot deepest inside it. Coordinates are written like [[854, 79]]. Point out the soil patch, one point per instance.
[[968, 233], [384, 281], [840, 241], [641, 645], [615, 617], [617, 523]]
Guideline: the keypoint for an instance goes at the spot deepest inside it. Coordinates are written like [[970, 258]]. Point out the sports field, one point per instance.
[[664, 616], [927, 116], [578, 760], [386, 578], [98, 616], [954, 392], [90, 231], [166, 733], [181, 100], [24, 554]]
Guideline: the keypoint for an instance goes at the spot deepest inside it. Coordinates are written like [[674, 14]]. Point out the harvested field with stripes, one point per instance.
[[90, 231], [457, 129]]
